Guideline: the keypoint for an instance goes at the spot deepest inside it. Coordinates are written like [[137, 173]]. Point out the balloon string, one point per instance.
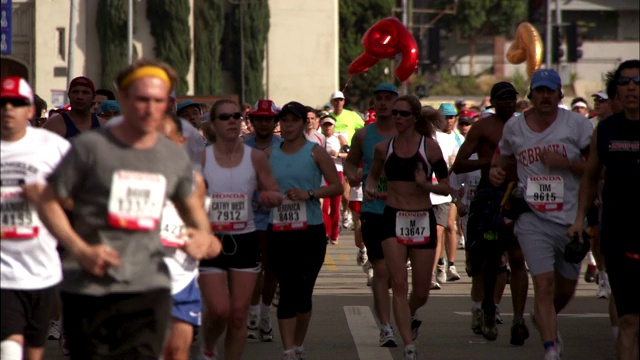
[[347, 84]]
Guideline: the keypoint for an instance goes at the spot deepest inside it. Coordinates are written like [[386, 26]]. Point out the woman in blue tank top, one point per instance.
[[296, 226], [408, 160]]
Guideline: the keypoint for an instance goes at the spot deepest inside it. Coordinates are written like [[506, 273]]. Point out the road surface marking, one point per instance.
[[329, 264], [365, 333], [585, 315], [343, 257]]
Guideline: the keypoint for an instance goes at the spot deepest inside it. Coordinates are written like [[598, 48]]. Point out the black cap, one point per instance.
[[465, 120], [503, 89], [295, 108]]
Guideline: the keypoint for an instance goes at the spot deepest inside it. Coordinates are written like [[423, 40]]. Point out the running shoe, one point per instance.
[[347, 221], [590, 274], [489, 328], [300, 354], [519, 332], [252, 326], [441, 274], [499, 319], [552, 354], [452, 274], [362, 257], [266, 331], [333, 242], [54, 330], [290, 355], [476, 321], [415, 325], [435, 285], [410, 353], [461, 242], [370, 277], [276, 297], [388, 337], [604, 290]]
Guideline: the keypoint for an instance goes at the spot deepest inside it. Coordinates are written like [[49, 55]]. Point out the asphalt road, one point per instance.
[[342, 326]]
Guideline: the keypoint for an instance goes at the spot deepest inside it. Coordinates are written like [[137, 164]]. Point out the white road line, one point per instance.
[[365, 333], [585, 315]]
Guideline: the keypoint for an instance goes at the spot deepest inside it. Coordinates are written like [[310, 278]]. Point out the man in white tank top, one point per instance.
[[549, 145], [31, 268]]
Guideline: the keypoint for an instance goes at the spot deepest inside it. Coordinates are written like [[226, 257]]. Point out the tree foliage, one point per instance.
[[169, 21], [356, 17], [111, 24], [256, 29], [208, 28]]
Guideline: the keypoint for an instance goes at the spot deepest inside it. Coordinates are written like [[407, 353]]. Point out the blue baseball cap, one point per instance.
[[185, 104], [447, 109], [388, 87], [108, 105], [546, 77]]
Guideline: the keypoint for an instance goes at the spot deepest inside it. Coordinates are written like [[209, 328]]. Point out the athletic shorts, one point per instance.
[[116, 326], [542, 243], [187, 305], [389, 227], [355, 206], [372, 234], [240, 252], [27, 313], [622, 271], [442, 214]]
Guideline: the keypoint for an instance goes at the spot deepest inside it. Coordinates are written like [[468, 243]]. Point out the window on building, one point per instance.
[[62, 43]]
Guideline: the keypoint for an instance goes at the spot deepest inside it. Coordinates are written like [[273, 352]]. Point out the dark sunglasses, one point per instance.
[[14, 102], [402, 113], [601, 100], [625, 80], [225, 117]]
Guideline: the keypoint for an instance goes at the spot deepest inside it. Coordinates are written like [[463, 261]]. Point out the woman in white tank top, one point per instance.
[[331, 206]]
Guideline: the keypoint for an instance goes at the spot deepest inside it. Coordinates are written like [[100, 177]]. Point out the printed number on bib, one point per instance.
[[172, 230], [136, 200], [545, 193], [290, 215], [19, 218], [382, 187], [412, 227], [229, 211]]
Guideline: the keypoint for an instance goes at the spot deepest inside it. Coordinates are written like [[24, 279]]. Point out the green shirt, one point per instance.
[[347, 123]]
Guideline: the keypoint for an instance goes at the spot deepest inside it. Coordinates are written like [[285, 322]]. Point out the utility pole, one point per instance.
[[72, 38], [130, 32], [548, 41]]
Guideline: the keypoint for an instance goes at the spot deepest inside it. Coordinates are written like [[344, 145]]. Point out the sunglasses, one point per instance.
[[625, 80], [14, 102], [402, 113], [601, 100], [225, 117]]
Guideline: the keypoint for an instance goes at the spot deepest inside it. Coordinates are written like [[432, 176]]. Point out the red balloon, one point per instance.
[[385, 39]]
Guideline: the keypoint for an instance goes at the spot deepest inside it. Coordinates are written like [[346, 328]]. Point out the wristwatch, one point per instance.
[[312, 194]]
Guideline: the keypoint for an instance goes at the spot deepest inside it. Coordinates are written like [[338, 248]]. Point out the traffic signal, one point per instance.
[[435, 53], [557, 51], [574, 43]]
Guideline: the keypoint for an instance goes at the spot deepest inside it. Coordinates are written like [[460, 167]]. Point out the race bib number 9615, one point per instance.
[[136, 200], [412, 227], [545, 193]]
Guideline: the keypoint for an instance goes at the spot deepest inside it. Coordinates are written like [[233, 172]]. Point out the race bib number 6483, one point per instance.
[[136, 200]]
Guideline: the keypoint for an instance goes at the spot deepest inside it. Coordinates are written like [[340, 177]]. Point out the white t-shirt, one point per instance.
[[469, 180], [449, 147], [333, 144], [552, 193], [28, 252]]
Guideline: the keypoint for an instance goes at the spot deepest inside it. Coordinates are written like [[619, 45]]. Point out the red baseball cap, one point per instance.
[[82, 81], [15, 87], [264, 108], [467, 113]]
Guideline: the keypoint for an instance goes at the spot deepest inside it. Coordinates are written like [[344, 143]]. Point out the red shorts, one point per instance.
[[355, 206]]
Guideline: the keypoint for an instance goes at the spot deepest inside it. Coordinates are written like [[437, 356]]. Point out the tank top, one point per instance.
[[403, 169], [231, 191], [299, 171], [371, 138], [333, 143], [72, 130]]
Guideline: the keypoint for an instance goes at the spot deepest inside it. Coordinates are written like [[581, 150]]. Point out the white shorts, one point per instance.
[[542, 243]]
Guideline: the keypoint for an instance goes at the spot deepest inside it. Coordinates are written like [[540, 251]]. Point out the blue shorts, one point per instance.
[[187, 305]]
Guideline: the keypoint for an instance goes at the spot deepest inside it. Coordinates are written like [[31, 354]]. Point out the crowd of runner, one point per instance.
[[133, 227]]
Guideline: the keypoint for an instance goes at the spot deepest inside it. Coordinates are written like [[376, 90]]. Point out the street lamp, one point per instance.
[[240, 3]]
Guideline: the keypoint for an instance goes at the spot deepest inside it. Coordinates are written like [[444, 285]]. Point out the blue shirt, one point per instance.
[[371, 138]]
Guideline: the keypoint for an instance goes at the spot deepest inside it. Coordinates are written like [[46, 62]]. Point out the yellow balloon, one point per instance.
[[527, 46]]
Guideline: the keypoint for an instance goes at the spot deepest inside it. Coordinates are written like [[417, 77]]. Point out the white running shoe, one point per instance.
[[552, 354], [347, 221], [604, 290], [461, 242], [54, 330], [252, 325], [301, 355], [410, 353], [362, 257], [441, 274], [370, 277], [435, 285], [452, 274], [289, 355], [388, 337], [276, 297]]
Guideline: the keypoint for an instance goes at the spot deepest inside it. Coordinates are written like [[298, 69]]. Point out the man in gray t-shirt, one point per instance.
[[116, 292]]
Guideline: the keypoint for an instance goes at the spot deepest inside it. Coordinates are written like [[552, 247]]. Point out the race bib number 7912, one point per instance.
[[136, 200]]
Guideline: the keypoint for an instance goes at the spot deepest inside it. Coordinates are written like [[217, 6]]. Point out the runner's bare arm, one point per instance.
[[499, 163], [376, 170], [462, 164], [202, 243], [352, 163], [270, 194], [588, 187], [56, 124]]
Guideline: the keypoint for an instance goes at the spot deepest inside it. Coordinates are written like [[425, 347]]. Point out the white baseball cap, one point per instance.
[[337, 95], [601, 94]]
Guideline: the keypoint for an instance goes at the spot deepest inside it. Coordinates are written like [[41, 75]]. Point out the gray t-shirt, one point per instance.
[[118, 195]]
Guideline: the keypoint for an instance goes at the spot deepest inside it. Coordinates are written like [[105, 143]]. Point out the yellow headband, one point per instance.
[[145, 71]]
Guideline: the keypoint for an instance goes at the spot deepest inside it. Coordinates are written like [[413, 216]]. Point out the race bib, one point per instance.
[[136, 200], [290, 215], [172, 230], [545, 193], [355, 194], [412, 227], [470, 189], [229, 211], [18, 215]]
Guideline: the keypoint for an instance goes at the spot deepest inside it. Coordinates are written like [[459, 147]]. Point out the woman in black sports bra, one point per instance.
[[408, 161]]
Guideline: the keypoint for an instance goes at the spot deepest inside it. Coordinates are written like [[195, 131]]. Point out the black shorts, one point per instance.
[[239, 252], [621, 270], [372, 234], [27, 313], [389, 227], [116, 326]]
